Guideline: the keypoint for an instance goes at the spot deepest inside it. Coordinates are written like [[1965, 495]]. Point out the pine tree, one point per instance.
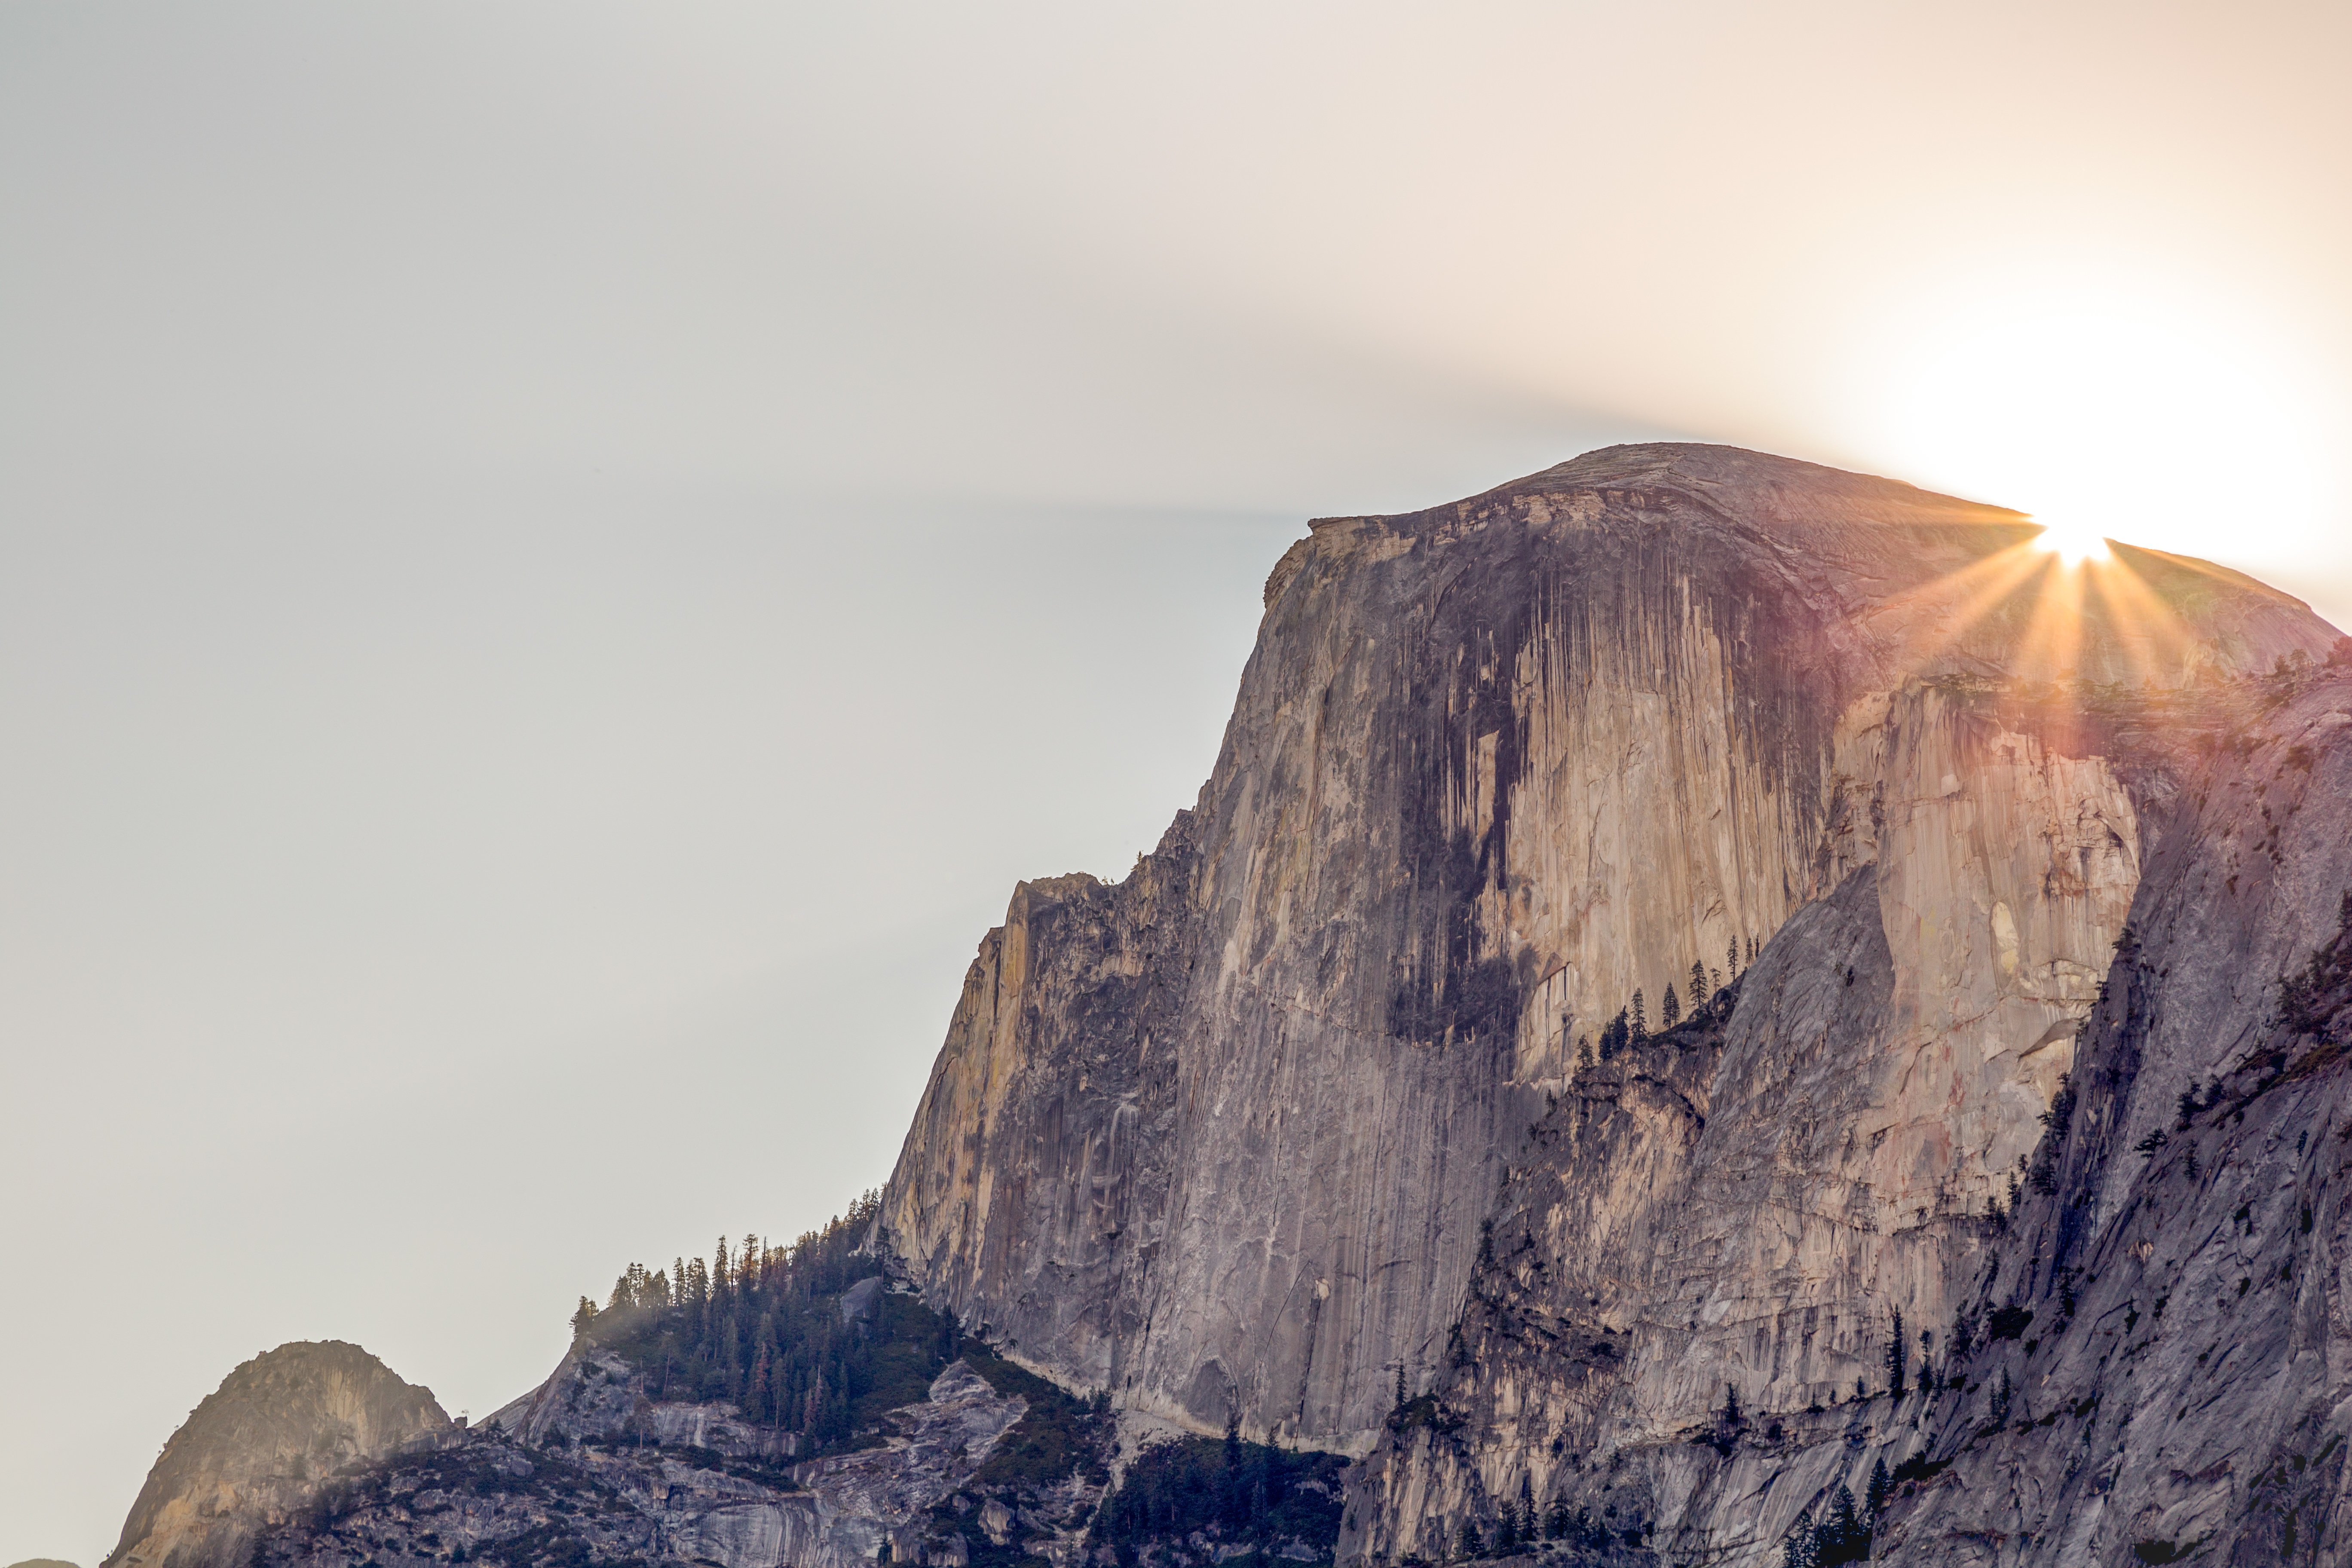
[[1399, 1399], [1731, 1416], [763, 1388], [582, 1316], [1896, 1352], [1583, 1053], [1700, 988], [1800, 1550], [1731, 959], [1874, 1497], [1470, 1543], [1640, 1022], [1670, 1010], [1841, 1538]]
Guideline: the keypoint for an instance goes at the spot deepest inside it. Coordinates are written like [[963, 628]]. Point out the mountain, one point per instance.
[[256, 1452], [1710, 1010], [1314, 1120]]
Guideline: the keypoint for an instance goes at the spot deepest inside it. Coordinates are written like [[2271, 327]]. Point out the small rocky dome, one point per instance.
[[256, 1447]]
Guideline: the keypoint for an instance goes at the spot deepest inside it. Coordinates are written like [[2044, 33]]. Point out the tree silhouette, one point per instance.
[[1842, 1537]]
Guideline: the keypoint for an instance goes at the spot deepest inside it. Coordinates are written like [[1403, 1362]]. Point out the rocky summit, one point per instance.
[[1711, 1010], [255, 1454]]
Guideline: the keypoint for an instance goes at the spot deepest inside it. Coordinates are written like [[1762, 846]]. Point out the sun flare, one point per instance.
[[2105, 401], [2073, 543]]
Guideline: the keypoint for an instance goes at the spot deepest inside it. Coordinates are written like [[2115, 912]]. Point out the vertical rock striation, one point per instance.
[[1227, 1139]]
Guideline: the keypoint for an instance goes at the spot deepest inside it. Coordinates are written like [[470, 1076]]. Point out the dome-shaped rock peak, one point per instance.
[[259, 1449]]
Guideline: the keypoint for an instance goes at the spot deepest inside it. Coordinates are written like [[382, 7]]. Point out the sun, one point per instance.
[[2104, 400], [2073, 543]]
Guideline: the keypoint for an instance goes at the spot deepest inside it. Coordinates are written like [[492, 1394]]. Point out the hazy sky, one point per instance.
[[557, 562]]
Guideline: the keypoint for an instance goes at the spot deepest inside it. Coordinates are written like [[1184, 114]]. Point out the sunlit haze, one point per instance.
[[557, 562], [2107, 405]]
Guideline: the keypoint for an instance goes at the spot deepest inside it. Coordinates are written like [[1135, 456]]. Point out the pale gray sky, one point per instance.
[[556, 562]]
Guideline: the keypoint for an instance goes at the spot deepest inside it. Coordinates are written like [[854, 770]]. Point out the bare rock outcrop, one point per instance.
[[1226, 1139], [258, 1452]]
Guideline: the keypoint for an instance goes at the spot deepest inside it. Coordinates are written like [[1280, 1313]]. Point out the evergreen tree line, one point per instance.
[[1844, 1532], [1631, 1027], [761, 1327], [1519, 1526], [1246, 1494]]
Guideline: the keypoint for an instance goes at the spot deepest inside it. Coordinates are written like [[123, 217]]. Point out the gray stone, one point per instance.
[[257, 1452]]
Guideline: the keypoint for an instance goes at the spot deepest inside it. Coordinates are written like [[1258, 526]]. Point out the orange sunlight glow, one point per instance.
[[2093, 391], [2061, 607], [2073, 543]]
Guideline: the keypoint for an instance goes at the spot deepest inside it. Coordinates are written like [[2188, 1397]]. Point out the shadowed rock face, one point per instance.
[[1221, 1138], [256, 1451]]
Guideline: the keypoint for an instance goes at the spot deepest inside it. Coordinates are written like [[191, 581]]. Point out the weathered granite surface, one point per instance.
[[255, 1452], [1221, 1138]]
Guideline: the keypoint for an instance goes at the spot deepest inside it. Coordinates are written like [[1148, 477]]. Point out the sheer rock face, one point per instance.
[[256, 1452], [1221, 1138], [2174, 1368]]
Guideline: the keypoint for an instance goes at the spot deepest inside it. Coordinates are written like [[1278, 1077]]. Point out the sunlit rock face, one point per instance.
[[1221, 1138], [256, 1452]]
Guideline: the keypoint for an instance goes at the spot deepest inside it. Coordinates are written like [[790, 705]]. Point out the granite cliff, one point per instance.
[[1314, 1120], [1711, 1010]]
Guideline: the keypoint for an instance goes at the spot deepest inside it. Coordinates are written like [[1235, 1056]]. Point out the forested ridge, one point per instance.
[[805, 1339], [763, 1328]]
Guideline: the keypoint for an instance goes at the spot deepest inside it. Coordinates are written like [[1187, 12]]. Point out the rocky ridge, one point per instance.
[[990, 1468]]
